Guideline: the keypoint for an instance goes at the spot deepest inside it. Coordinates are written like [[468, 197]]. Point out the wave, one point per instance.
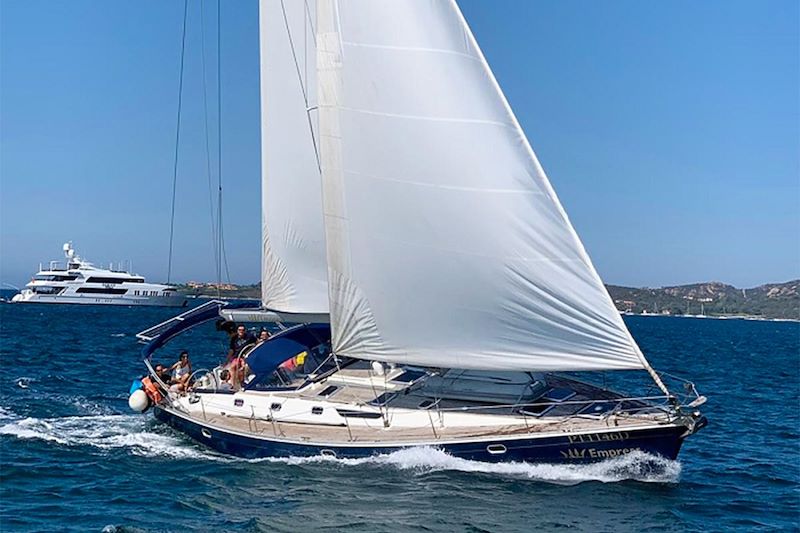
[[81, 405], [103, 432], [5, 414], [24, 382], [637, 466], [134, 433]]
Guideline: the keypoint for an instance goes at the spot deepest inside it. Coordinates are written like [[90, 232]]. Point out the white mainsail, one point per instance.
[[446, 245], [293, 270]]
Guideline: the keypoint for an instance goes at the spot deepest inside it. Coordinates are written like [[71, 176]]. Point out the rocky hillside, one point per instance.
[[774, 300], [226, 290]]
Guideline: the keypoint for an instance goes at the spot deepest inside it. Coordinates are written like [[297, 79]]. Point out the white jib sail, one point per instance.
[[447, 246], [293, 265]]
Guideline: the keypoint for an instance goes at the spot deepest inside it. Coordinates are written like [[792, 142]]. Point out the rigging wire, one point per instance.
[[177, 141], [222, 256], [310, 20], [208, 144], [302, 85], [219, 148]]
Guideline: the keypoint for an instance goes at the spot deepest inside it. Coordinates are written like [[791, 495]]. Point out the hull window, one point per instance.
[[101, 290], [48, 290], [54, 277], [496, 449]]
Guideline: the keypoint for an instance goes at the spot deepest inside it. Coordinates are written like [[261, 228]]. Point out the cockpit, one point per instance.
[[285, 361]]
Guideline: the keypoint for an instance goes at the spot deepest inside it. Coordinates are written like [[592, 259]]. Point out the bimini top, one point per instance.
[[265, 357], [158, 335]]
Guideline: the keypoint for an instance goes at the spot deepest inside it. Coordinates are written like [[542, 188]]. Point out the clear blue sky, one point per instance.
[[668, 129]]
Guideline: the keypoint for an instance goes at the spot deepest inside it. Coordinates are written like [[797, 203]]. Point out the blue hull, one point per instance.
[[583, 448]]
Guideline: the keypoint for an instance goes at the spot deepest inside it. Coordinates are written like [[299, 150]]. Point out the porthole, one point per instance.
[[496, 449], [316, 410], [275, 407], [206, 433], [327, 453]]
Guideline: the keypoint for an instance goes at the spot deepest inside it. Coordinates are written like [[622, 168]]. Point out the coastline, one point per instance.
[[714, 317]]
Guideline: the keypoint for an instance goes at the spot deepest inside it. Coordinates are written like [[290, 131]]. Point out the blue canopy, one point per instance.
[[266, 357], [159, 335]]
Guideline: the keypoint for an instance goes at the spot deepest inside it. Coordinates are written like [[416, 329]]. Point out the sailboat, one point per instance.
[[428, 286]]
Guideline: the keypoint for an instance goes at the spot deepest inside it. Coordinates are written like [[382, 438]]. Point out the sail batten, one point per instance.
[[294, 266]]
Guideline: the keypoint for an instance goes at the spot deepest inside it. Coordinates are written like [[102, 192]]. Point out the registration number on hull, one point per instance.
[[598, 437], [595, 453]]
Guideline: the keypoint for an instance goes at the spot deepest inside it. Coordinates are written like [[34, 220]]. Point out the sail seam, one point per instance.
[[466, 253], [432, 119], [411, 49], [445, 187]]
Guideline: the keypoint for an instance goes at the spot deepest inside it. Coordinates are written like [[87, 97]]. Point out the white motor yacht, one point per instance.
[[80, 282]]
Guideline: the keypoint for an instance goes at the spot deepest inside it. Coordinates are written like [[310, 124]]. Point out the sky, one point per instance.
[[669, 130]]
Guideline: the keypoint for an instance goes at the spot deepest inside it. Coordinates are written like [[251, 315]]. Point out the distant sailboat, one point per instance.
[[436, 279]]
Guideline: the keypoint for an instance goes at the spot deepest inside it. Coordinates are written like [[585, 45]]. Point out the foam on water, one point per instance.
[[102, 432], [133, 433], [85, 405], [638, 466]]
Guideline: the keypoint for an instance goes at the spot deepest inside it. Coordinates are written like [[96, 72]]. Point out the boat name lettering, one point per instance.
[[574, 453], [598, 437], [594, 453]]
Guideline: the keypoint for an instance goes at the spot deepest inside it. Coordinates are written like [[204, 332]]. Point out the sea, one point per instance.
[[75, 458]]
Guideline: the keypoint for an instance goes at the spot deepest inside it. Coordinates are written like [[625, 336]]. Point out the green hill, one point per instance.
[[774, 300]]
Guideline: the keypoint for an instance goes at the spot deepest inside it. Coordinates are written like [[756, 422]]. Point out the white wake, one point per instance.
[[102, 432], [135, 434], [639, 466]]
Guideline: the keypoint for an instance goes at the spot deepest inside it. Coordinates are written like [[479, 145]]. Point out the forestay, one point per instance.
[[293, 269], [447, 246]]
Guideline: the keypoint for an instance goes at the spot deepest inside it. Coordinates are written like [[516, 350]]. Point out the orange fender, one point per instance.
[[151, 390]]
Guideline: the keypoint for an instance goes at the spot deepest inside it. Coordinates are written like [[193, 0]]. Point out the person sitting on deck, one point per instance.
[[163, 373], [181, 372], [237, 370], [239, 341], [225, 383], [263, 335]]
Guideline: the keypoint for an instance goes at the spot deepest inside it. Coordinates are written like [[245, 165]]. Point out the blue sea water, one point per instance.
[[74, 458]]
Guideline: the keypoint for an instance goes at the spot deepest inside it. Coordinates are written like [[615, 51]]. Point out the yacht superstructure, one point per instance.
[[80, 282]]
